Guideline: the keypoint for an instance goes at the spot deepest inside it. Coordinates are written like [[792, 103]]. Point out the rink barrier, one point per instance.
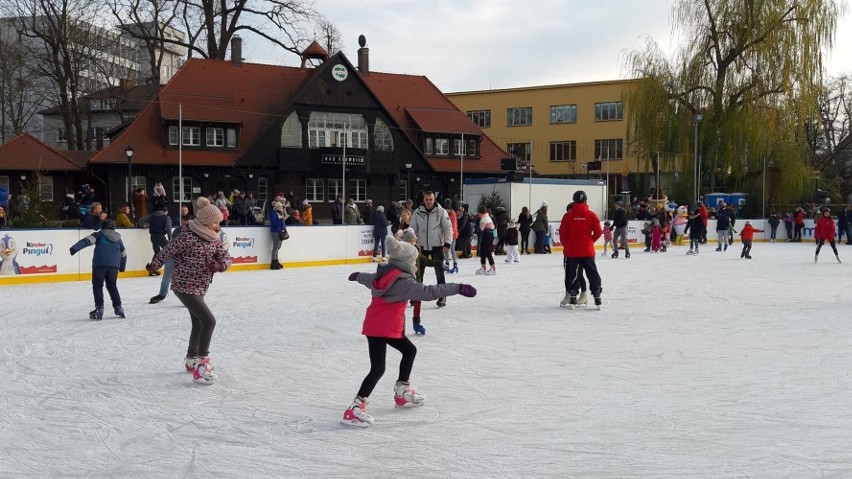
[[42, 255]]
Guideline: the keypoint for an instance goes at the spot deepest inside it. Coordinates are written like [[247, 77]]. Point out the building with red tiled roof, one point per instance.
[[265, 128]]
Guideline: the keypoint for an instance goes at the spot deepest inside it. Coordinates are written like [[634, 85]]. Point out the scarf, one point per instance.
[[204, 232]]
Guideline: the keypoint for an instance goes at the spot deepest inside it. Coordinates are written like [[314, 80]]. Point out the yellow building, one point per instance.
[[571, 131]]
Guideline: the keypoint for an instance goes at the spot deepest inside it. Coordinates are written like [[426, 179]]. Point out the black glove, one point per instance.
[[72, 251], [467, 290], [353, 276]]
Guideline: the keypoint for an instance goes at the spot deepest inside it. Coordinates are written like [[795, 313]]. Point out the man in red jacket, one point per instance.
[[579, 230]]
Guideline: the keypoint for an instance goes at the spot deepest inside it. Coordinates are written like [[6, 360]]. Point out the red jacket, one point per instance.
[[824, 229], [579, 230], [799, 217], [705, 215], [748, 231]]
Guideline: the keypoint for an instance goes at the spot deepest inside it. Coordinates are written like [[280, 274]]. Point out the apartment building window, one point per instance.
[[216, 137], [4, 181], [563, 150], [609, 149], [520, 151], [383, 139], [187, 189], [482, 118], [45, 188], [442, 146], [429, 146], [612, 111], [563, 114], [191, 136], [138, 181], [519, 116], [403, 190], [314, 190]]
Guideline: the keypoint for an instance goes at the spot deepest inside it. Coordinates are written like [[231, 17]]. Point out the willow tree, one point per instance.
[[751, 69]]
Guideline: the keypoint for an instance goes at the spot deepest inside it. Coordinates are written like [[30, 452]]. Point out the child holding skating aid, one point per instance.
[[392, 286], [109, 259], [607, 234]]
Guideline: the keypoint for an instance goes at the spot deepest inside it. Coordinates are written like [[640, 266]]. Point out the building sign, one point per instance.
[[338, 159], [339, 72]]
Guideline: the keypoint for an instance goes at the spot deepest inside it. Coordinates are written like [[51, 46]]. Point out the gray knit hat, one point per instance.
[[408, 235], [402, 255]]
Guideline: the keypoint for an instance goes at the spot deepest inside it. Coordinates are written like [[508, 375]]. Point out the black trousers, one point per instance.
[[463, 244], [822, 242], [108, 275], [568, 278], [746, 248], [378, 354], [484, 247], [574, 271], [797, 233], [203, 324], [437, 255], [158, 242]]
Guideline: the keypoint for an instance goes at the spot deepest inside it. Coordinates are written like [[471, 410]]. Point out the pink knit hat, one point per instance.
[[207, 214]]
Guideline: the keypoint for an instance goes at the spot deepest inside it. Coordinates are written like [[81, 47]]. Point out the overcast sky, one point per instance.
[[464, 45]]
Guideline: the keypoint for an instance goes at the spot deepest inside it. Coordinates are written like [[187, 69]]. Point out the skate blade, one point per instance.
[[409, 405], [354, 424]]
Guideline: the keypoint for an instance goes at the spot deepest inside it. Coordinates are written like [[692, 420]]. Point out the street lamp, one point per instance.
[[408, 182], [696, 167], [129, 152]]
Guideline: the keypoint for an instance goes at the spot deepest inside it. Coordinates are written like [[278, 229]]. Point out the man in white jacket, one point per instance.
[[431, 224]]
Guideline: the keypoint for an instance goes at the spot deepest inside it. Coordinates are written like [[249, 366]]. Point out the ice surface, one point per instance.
[[707, 366]]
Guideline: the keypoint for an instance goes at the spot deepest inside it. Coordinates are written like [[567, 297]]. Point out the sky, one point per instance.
[[697, 366], [466, 45]]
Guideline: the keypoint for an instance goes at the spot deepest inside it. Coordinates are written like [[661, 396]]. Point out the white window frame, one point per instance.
[[481, 118], [527, 154], [137, 181], [471, 148], [430, 148], [335, 187], [174, 135], [187, 189], [327, 129], [357, 188], [231, 138], [458, 147], [191, 136], [291, 132], [262, 190], [314, 190], [442, 146], [519, 116], [45, 187], [382, 138], [563, 114], [215, 137]]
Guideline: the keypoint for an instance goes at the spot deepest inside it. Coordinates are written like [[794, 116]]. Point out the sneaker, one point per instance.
[[583, 299], [119, 311], [156, 299], [97, 313], [203, 373], [405, 396], [419, 329], [442, 302], [356, 415]]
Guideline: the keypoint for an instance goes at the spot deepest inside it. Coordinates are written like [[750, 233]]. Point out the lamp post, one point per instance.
[[129, 152], [408, 181], [696, 188]]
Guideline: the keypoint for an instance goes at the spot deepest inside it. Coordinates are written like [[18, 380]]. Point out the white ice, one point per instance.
[[707, 366]]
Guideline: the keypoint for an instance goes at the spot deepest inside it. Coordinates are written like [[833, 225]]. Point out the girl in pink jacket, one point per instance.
[[824, 230], [392, 286]]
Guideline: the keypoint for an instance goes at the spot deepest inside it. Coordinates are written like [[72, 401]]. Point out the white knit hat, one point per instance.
[[402, 254]]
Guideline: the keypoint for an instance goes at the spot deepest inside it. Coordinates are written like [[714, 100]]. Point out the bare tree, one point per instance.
[[153, 22], [22, 94], [330, 37], [833, 123]]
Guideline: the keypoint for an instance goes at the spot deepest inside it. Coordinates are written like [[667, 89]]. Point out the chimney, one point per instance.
[[363, 56], [237, 50]]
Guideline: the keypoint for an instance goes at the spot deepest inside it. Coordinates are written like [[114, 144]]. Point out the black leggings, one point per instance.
[[830, 243], [484, 247], [378, 353], [525, 240], [203, 324]]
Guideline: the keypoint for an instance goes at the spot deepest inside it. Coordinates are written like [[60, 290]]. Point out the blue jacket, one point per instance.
[[109, 249], [722, 221], [4, 197], [380, 224], [276, 224], [159, 224], [90, 222]]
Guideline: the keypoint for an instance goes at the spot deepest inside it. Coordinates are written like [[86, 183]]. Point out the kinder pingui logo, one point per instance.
[[32, 252], [38, 249], [244, 243]]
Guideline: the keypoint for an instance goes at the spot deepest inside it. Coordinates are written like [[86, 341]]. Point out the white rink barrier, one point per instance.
[[42, 255]]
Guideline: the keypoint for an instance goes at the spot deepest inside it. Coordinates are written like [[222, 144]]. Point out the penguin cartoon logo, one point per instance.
[[223, 237], [8, 252]]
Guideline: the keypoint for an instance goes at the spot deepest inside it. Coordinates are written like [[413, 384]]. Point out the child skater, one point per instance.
[[392, 286], [512, 240], [110, 258], [197, 253], [656, 236], [485, 242], [423, 262], [824, 231], [746, 236], [607, 234]]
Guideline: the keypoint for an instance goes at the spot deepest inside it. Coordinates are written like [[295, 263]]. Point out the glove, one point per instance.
[[215, 267], [353, 277], [72, 251], [150, 267], [467, 290]]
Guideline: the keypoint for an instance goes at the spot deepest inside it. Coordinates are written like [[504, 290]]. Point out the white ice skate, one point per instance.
[[492, 271], [203, 373], [583, 300], [405, 396], [482, 270], [568, 301], [190, 363], [838, 258], [356, 415]]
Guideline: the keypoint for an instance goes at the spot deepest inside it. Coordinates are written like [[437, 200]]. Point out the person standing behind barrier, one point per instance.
[[431, 225], [619, 223], [788, 225], [579, 230], [277, 228], [798, 224], [380, 231], [843, 218], [169, 267], [539, 227], [774, 221], [465, 226], [525, 221]]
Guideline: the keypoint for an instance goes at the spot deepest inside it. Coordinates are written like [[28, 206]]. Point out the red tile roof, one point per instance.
[[442, 121], [25, 152], [250, 94]]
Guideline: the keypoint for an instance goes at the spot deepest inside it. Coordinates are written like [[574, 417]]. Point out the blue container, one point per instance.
[[739, 200], [713, 200]]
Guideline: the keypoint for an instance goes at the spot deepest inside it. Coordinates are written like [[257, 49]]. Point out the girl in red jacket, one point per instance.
[[824, 231], [747, 235], [392, 286]]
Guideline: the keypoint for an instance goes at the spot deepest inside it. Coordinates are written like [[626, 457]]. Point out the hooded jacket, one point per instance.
[[433, 228], [159, 224], [579, 230], [109, 249], [748, 231], [391, 289], [824, 229]]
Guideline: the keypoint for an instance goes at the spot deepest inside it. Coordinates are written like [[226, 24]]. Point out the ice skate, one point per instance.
[[719, 248], [419, 329], [837, 256], [481, 270], [583, 300], [517, 260], [97, 313], [690, 252], [441, 302], [356, 415], [816, 258], [156, 299], [748, 257], [119, 311], [598, 303], [376, 259], [568, 301], [603, 255], [492, 271], [627, 255], [446, 268], [614, 254], [191, 362], [454, 269], [405, 396], [203, 373]]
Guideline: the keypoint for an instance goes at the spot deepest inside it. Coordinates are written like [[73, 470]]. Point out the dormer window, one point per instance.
[[216, 137], [191, 136]]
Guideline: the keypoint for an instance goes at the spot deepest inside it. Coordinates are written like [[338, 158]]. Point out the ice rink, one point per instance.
[[704, 366]]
